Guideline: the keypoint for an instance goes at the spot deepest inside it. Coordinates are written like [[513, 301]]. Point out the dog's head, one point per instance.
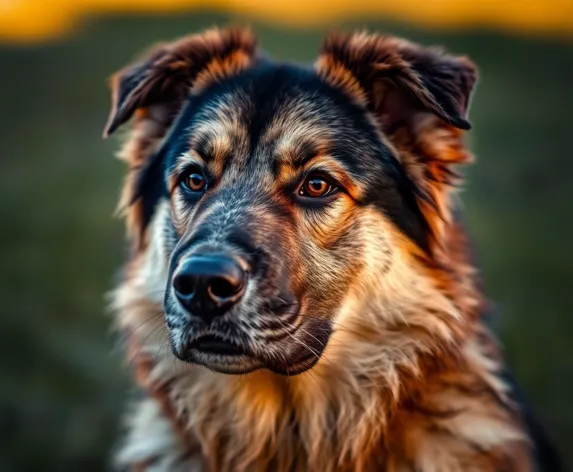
[[285, 199]]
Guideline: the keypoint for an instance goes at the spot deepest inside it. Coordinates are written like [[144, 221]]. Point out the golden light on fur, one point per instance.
[[399, 373]]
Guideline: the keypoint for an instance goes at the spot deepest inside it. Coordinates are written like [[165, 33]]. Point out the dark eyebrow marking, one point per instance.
[[304, 152], [203, 146], [298, 156], [214, 152]]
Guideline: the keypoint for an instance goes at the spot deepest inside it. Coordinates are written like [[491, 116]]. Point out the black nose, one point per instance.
[[209, 285]]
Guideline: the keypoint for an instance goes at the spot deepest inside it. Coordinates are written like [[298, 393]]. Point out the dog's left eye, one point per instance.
[[194, 181], [315, 187]]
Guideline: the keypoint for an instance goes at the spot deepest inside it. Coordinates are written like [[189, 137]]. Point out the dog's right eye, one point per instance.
[[194, 181], [316, 186]]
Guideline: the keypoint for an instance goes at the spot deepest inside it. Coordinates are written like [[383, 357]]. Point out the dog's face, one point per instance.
[[281, 194], [268, 174]]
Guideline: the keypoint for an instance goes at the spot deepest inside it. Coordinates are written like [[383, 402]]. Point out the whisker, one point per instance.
[[341, 327], [161, 347], [322, 355], [142, 346], [288, 365], [151, 318], [312, 336], [304, 345]]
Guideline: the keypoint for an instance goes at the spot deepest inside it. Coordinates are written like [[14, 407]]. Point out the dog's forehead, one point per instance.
[[257, 129], [273, 114]]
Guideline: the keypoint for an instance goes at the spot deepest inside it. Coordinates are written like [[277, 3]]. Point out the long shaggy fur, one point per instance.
[[410, 378]]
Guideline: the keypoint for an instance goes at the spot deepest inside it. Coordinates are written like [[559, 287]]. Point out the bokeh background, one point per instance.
[[62, 383]]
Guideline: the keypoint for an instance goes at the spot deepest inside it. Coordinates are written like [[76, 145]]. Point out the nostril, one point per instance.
[[184, 285], [222, 288], [207, 285]]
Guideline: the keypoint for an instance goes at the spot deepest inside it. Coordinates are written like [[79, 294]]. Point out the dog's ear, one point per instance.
[[151, 94], [169, 71], [419, 97], [397, 79]]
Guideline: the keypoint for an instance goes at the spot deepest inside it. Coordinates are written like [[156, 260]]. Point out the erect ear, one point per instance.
[[153, 91], [419, 97]]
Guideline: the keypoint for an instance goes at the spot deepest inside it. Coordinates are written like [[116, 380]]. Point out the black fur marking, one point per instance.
[[150, 183], [270, 89], [149, 187], [400, 205]]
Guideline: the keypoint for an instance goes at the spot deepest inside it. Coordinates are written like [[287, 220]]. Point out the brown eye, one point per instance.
[[315, 187], [194, 181]]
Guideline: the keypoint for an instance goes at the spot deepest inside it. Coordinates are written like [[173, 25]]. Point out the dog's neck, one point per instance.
[[331, 418], [403, 361]]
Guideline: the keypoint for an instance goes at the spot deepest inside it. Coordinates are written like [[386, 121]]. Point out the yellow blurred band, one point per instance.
[[38, 20]]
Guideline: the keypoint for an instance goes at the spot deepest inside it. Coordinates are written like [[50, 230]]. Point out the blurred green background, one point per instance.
[[62, 383]]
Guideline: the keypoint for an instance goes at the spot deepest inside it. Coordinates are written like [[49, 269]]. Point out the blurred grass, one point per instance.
[[62, 390]]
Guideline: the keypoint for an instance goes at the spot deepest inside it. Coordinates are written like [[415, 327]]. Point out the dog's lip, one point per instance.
[[212, 344]]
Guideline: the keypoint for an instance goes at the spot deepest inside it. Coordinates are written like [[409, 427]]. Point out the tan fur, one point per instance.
[[384, 400], [409, 381]]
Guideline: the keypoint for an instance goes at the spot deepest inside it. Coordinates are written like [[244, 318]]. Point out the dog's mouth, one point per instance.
[[215, 345], [219, 354], [282, 349]]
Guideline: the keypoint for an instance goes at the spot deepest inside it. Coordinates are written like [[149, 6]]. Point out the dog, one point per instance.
[[300, 293]]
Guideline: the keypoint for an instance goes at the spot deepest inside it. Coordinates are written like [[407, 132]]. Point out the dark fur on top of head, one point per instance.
[[362, 343]]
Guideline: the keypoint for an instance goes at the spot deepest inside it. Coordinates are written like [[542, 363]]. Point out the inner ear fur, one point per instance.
[[419, 97], [152, 91]]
